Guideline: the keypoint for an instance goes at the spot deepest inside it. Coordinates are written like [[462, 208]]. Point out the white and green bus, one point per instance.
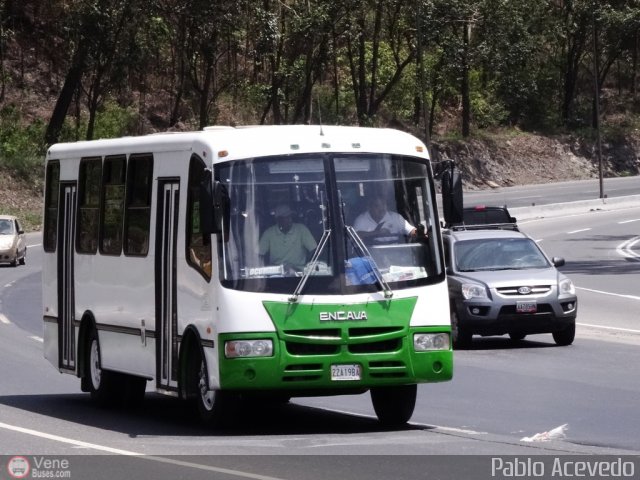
[[157, 267]]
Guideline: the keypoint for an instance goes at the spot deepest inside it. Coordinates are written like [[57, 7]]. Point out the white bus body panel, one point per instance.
[[119, 291]]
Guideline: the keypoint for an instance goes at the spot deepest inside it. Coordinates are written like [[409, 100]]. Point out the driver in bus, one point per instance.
[[286, 243], [379, 222]]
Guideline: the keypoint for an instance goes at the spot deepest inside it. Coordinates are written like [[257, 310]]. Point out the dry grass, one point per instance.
[[22, 198]]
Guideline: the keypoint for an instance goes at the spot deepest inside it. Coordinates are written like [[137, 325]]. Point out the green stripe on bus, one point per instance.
[[293, 316]]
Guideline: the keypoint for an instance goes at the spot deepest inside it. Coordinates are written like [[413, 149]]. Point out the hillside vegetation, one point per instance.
[[505, 88]]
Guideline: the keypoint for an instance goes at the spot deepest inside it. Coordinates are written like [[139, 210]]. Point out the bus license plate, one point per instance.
[[526, 307], [346, 372]]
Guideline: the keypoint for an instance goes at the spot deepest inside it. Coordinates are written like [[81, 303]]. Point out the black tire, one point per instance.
[[394, 405], [460, 336], [24, 257], [565, 337], [215, 407], [101, 383], [517, 336]]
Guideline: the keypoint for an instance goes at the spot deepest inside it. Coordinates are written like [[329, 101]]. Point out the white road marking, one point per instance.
[[455, 430], [4, 319], [629, 221], [71, 441], [604, 327], [620, 295], [34, 245], [37, 339], [625, 249], [118, 451], [578, 231]]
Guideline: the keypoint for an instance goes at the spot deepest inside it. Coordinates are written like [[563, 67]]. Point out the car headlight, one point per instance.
[[6, 243], [248, 348], [423, 342], [566, 287], [473, 290]]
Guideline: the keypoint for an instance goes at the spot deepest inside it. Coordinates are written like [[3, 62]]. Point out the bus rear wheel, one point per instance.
[[394, 405], [100, 382]]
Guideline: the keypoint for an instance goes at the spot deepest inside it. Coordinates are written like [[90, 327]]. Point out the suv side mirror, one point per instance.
[[557, 261]]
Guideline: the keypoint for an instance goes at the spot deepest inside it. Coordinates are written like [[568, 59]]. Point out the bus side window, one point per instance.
[[198, 245], [88, 205], [112, 205], [51, 206], [138, 205]]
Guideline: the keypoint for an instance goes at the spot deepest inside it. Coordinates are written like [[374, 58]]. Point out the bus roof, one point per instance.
[[251, 141]]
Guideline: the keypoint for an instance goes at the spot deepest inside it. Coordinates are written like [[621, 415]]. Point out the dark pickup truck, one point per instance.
[[484, 217]]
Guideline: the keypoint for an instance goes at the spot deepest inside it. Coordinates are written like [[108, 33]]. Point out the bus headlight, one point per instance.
[[423, 342], [248, 348]]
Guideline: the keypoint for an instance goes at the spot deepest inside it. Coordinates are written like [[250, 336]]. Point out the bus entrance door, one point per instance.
[[66, 290], [166, 305]]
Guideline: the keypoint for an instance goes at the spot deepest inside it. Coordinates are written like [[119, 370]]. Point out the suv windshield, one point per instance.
[[498, 254], [287, 210]]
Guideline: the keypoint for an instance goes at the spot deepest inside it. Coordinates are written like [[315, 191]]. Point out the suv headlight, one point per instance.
[[473, 290], [566, 287]]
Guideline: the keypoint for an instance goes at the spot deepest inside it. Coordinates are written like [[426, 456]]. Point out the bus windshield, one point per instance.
[[346, 223]]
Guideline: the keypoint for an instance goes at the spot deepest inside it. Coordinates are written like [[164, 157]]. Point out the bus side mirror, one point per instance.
[[214, 206], [221, 210], [452, 196], [205, 204]]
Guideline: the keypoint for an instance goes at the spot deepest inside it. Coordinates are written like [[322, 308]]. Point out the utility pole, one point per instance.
[[596, 105]]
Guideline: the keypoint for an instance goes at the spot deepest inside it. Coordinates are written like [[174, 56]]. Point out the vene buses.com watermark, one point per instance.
[[20, 466], [564, 467]]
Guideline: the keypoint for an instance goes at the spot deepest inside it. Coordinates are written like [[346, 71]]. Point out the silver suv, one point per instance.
[[500, 282]]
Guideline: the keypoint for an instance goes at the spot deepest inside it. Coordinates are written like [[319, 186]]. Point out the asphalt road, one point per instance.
[[501, 392], [546, 193]]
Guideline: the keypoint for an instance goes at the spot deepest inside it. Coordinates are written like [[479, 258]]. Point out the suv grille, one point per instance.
[[535, 290]]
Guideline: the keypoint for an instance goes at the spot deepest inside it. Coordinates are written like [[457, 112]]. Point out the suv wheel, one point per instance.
[[460, 336], [566, 336]]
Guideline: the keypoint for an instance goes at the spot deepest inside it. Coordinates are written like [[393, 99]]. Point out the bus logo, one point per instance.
[[342, 316], [18, 467]]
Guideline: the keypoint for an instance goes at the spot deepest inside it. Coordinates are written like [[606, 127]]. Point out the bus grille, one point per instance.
[[360, 340]]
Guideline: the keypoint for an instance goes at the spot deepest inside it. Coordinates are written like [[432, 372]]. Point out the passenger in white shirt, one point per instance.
[[378, 222]]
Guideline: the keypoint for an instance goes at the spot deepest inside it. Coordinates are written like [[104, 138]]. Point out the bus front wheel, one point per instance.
[[394, 405], [214, 406]]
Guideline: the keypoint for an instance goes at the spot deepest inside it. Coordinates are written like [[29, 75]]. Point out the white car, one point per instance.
[[13, 243]]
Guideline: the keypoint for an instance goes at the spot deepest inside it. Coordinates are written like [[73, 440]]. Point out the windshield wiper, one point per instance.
[[326, 233], [362, 248], [311, 267]]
